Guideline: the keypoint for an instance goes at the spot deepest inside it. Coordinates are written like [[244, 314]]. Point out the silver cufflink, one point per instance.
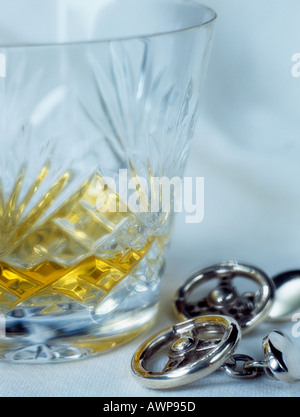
[[213, 324]]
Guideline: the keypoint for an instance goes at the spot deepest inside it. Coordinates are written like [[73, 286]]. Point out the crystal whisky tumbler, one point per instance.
[[94, 95]]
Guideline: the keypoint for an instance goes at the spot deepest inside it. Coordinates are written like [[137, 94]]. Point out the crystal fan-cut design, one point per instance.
[[75, 232]]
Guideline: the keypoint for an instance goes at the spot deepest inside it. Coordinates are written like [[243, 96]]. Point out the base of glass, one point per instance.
[[42, 344]]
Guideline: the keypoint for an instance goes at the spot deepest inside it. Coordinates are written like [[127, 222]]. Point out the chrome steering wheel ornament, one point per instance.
[[248, 308], [186, 352]]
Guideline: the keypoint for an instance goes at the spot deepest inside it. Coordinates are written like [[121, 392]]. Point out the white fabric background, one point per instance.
[[247, 147]]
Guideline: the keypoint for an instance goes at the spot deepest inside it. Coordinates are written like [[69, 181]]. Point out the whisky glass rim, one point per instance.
[[207, 21]]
